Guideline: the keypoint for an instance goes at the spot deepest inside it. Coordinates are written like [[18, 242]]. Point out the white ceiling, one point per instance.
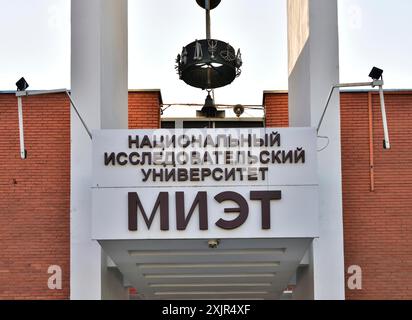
[[189, 269]]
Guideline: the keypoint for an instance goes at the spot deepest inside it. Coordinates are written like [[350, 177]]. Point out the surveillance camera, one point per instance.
[[213, 244]]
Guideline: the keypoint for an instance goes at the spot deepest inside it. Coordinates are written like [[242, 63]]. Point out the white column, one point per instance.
[[99, 87], [313, 69]]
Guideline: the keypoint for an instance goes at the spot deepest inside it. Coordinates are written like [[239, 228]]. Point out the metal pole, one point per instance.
[[326, 108], [341, 85], [386, 142], [38, 93], [208, 36], [208, 21], [78, 115], [354, 84], [23, 154]]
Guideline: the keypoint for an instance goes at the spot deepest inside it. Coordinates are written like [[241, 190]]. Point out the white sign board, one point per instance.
[[205, 183]]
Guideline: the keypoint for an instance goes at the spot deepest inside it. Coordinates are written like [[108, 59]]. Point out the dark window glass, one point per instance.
[[197, 124], [218, 124], [238, 124], [168, 124]]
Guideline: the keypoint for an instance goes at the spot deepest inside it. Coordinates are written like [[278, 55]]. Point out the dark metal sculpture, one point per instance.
[[209, 63], [213, 3]]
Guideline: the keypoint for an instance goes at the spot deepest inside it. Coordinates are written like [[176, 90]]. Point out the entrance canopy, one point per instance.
[[188, 269]]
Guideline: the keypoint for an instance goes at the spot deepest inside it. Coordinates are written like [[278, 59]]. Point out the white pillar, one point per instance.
[[99, 88], [313, 69]]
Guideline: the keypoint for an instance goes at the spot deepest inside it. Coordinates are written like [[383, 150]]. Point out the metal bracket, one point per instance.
[[20, 94], [373, 84]]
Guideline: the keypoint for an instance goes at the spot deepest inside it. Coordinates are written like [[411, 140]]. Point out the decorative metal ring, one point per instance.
[[213, 3], [208, 64]]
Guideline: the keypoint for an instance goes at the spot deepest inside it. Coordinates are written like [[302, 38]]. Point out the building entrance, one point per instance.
[[252, 269]]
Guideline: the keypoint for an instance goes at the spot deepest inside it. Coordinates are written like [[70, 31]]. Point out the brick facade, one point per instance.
[[35, 203], [144, 109], [276, 109], [35, 193], [34, 197], [378, 204]]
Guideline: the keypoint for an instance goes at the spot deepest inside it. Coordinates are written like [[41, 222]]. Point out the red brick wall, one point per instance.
[[144, 109], [35, 193], [378, 224], [277, 111], [34, 197]]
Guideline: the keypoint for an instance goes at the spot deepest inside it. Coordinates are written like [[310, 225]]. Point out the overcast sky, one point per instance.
[[35, 43]]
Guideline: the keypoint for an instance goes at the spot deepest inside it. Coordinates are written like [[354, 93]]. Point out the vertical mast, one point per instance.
[[207, 6]]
